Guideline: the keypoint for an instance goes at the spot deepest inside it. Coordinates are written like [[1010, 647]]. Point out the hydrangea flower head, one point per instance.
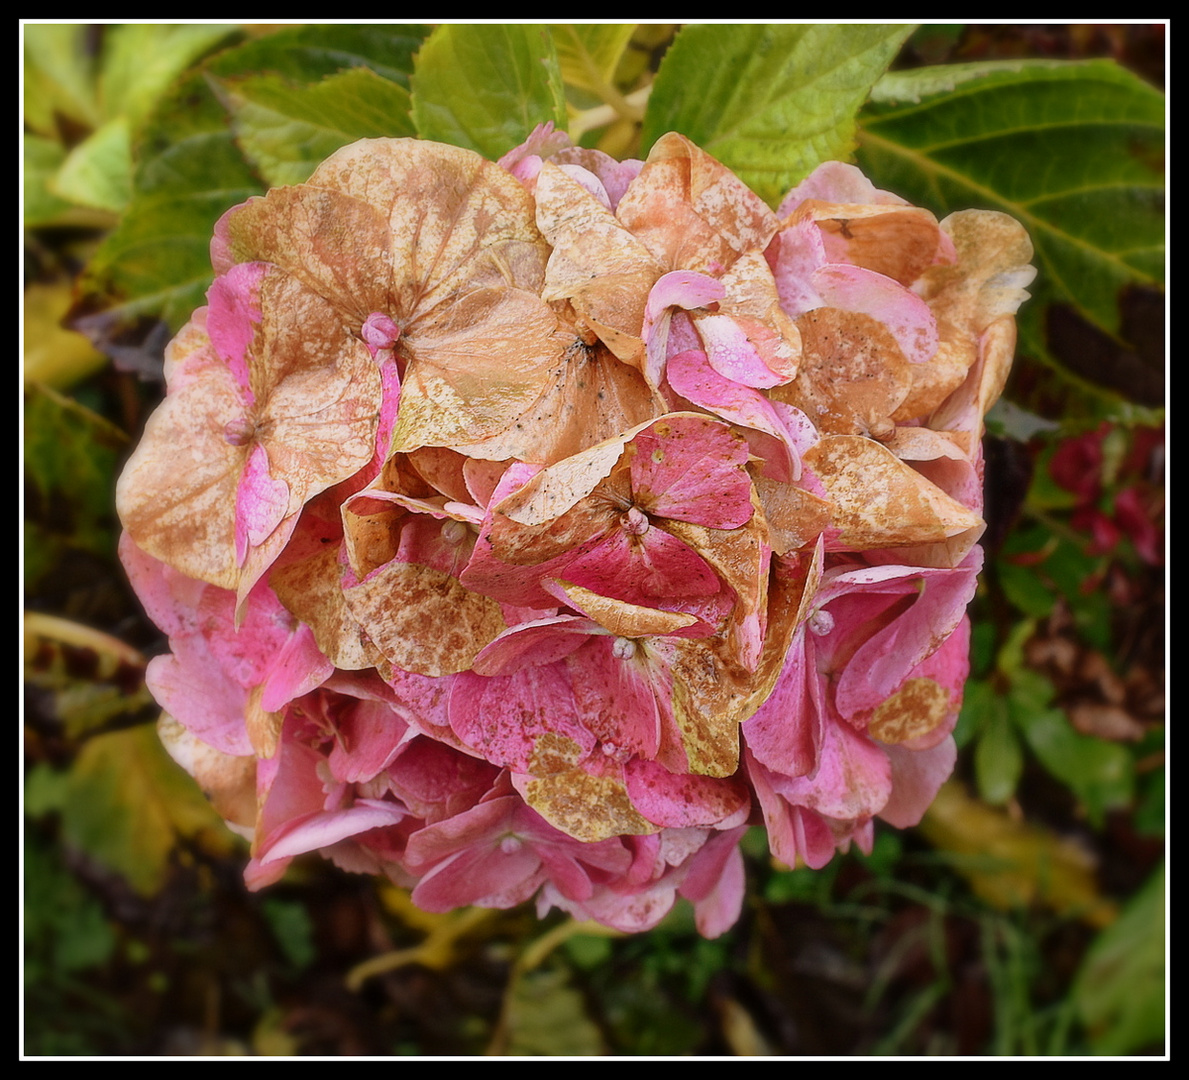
[[529, 530]]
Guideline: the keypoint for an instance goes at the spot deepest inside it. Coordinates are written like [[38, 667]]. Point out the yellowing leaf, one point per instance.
[[127, 804], [1012, 863]]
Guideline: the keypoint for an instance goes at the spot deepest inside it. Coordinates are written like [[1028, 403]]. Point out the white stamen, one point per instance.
[[821, 623], [454, 532], [623, 648]]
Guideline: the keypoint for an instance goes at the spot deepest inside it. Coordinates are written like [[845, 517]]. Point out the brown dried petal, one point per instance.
[[335, 244], [796, 517], [917, 708], [312, 591], [899, 242], [852, 375]]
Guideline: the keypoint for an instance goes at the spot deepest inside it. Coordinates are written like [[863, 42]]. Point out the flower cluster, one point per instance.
[[532, 528]]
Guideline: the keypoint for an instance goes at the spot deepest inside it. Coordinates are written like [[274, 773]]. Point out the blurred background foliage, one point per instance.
[[1025, 916]]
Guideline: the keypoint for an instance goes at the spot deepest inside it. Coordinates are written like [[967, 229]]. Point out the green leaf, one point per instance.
[[157, 263], [43, 158], [589, 55], [1120, 990], [1099, 773], [190, 170], [1072, 150], [98, 172], [65, 926], [1026, 591], [288, 130], [486, 87], [769, 101], [998, 760], [546, 1017], [140, 60], [59, 77]]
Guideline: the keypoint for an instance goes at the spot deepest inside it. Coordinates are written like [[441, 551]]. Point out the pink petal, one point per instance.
[[906, 315], [732, 353], [260, 503], [917, 776], [233, 317], [691, 468], [681, 801]]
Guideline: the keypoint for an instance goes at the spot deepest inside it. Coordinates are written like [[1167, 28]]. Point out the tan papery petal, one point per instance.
[[710, 700], [795, 517], [900, 242], [591, 396], [264, 727], [422, 619], [852, 376], [917, 708], [588, 808], [176, 495], [311, 590], [229, 782], [621, 618], [987, 283], [691, 211], [879, 501]]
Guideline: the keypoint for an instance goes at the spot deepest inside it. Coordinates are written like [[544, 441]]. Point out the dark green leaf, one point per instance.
[[1026, 591], [293, 928], [1072, 150], [769, 101], [70, 461]]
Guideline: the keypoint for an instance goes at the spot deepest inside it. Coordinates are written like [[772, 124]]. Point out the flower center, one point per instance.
[[240, 431], [821, 623], [454, 532], [379, 332], [634, 522]]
